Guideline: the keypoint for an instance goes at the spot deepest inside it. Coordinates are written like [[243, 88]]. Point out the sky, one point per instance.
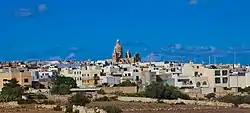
[[88, 29]]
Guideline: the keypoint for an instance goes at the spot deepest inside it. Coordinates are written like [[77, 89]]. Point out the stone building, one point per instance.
[[117, 55]]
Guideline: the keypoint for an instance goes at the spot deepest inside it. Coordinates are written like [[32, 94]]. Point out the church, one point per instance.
[[117, 55]]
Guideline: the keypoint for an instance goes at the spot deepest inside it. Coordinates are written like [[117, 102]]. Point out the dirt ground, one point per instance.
[[136, 107]]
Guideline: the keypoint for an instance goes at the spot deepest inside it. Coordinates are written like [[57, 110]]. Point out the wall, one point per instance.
[[120, 89]]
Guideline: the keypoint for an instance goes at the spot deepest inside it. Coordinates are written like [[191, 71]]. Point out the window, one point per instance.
[[217, 81], [196, 73], [217, 73], [204, 83], [198, 67], [5, 80], [198, 84], [224, 79], [125, 69], [191, 83], [137, 78], [224, 72], [129, 74], [26, 80], [95, 75]]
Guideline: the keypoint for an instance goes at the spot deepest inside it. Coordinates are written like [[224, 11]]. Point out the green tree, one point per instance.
[[112, 109], [66, 80], [63, 85], [12, 90], [79, 99], [159, 91], [127, 83]]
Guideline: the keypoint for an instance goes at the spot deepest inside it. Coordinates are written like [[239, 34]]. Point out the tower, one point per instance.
[[128, 54], [117, 53]]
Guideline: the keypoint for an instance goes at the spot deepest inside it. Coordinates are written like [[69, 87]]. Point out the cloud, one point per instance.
[[42, 7], [58, 58], [70, 56], [193, 2], [23, 12]]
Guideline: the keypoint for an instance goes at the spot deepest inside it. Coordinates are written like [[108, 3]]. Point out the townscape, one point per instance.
[[127, 79]]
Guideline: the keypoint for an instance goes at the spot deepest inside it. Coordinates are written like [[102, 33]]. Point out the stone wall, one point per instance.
[[83, 109], [190, 102], [9, 104], [132, 89]]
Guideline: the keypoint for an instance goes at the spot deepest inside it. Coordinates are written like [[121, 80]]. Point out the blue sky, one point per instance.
[[89, 28]]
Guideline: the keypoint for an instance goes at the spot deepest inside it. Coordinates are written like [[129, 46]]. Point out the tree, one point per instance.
[[12, 90], [112, 109], [63, 85], [159, 91], [79, 99], [127, 83], [66, 80]]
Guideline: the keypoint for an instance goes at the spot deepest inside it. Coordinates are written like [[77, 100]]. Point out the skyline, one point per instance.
[[65, 29]]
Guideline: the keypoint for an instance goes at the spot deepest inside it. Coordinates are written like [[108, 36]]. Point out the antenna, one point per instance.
[[214, 59], [234, 59], [209, 60]]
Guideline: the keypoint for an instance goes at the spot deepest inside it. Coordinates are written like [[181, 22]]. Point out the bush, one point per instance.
[[159, 91], [48, 102], [126, 83], [79, 99], [101, 92], [141, 94], [112, 109], [76, 111], [69, 109], [105, 98], [235, 99], [57, 108], [210, 96], [29, 101]]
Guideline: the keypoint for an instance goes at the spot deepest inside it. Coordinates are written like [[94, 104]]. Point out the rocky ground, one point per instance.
[[137, 107]]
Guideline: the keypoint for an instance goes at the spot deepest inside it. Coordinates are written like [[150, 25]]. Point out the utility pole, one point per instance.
[[209, 60]]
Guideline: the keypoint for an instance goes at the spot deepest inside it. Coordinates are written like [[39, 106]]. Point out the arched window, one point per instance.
[[190, 82], [204, 83], [198, 84]]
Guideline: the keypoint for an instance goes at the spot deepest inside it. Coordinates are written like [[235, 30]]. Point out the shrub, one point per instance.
[[69, 109], [235, 99], [57, 108], [79, 99], [112, 109], [76, 111], [48, 102], [210, 95], [29, 101], [105, 98], [159, 91], [101, 92]]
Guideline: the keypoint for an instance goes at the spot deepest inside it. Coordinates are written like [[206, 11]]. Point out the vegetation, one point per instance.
[[235, 99], [79, 99], [210, 96], [105, 98], [126, 83], [48, 102], [159, 91], [57, 108], [101, 92], [63, 85], [140, 94], [112, 109], [11, 91]]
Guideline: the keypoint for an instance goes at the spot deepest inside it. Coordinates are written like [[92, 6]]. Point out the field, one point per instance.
[[136, 107]]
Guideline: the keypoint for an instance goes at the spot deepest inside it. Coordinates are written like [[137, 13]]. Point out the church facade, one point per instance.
[[117, 55]]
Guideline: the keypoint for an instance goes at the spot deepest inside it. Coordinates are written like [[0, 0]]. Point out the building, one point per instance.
[[22, 75], [117, 55]]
